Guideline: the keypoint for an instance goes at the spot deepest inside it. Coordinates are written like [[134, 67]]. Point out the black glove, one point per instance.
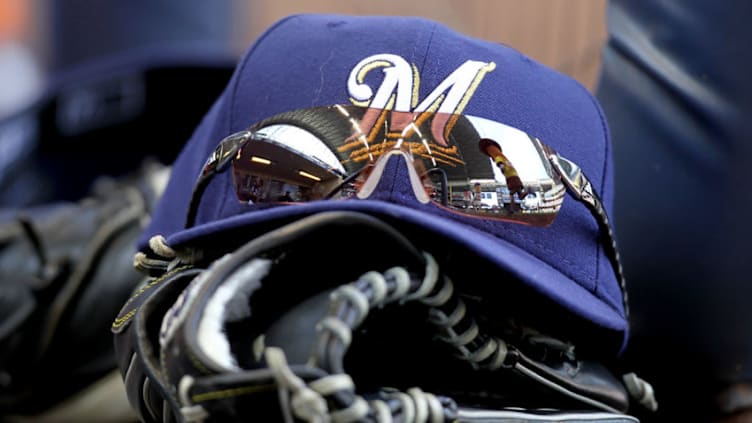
[[339, 317], [65, 269]]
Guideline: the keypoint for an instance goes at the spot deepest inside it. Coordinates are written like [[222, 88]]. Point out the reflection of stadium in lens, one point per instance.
[[340, 152], [465, 164]]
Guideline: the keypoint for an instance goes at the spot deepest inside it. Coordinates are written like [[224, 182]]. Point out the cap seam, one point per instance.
[[231, 118], [606, 154], [603, 178], [428, 46], [241, 67]]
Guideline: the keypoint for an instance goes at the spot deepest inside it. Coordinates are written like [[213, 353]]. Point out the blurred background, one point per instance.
[[41, 37], [75, 72], [673, 87], [137, 76]]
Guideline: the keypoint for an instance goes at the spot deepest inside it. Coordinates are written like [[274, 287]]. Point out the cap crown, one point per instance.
[[414, 64]]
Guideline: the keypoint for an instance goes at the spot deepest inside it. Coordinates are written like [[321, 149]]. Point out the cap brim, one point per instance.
[[527, 268]]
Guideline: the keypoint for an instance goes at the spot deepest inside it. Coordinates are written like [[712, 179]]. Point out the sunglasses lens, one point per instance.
[[466, 164], [282, 163]]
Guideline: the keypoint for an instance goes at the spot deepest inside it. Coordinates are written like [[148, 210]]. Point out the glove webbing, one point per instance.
[[350, 305]]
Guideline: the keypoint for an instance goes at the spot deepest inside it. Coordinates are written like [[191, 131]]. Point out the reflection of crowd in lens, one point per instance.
[[493, 150], [253, 189], [514, 183], [256, 189]]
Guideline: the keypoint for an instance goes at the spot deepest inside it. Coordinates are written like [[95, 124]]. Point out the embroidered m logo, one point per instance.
[[398, 91]]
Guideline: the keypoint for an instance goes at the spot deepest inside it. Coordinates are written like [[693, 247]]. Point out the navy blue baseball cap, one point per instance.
[[306, 61]]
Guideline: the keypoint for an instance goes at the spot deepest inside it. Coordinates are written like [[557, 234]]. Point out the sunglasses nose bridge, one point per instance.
[[394, 178]]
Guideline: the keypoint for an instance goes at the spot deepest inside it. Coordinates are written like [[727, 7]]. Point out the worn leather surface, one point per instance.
[[677, 94], [589, 379], [65, 270]]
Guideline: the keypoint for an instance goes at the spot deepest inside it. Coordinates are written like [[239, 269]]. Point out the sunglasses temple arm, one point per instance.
[[198, 192], [217, 162], [579, 185]]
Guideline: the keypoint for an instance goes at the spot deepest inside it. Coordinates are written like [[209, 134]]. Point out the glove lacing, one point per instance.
[[164, 258], [350, 305]]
